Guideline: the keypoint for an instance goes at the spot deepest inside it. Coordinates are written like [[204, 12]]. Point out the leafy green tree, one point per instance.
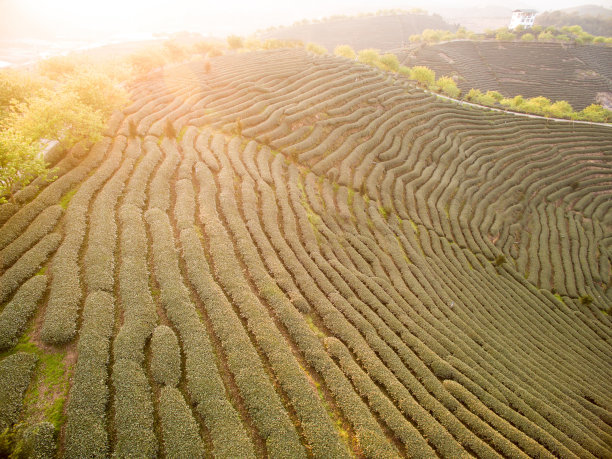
[[560, 109], [390, 62], [595, 113], [235, 42], [58, 67], [317, 49], [345, 51], [20, 163], [528, 37], [546, 36], [97, 90], [536, 29], [424, 75], [368, 56], [448, 86], [432, 36], [505, 35], [147, 59], [60, 116]]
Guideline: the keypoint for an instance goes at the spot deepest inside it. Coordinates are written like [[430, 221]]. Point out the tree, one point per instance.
[[505, 35], [20, 163], [546, 36], [423, 75], [61, 116], [528, 37], [314, 48], [596, 113], [368, 56], [345, 51], [560, 109], [234, 41], [96, 90], [390, 62], [448, 86]]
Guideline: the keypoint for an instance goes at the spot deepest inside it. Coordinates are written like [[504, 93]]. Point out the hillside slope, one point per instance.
[[314, 260], [380, 32], [576, 74]]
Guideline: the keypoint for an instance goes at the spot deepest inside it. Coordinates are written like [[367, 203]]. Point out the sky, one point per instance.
[[92, 19]]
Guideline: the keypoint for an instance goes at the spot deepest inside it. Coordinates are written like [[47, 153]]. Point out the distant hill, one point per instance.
[[577, 74], [381, 32], [595, 20], [477, 19], [589, 10]]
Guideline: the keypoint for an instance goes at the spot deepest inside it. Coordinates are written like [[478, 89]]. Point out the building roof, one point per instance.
[[522, 10]]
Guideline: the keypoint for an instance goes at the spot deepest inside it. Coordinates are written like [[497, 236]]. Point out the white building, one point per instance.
[[522, 17]]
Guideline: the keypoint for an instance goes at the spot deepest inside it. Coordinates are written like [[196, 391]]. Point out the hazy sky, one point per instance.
[[91, 18]]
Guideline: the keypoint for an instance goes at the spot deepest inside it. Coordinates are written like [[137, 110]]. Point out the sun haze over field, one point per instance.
[[93, 19]]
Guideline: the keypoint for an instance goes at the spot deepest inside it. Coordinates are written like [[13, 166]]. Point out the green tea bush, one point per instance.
[[165, 356], [86, 434], [38, 442], [180, 432], [16, 314], [28, 265], [39, 228], [134, 422], [204, 383], [15, 373]]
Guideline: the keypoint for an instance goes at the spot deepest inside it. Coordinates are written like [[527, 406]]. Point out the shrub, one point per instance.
[[314, 48], [528, 37], [424, 75], [345, 51], [165, 356], [15, 374]]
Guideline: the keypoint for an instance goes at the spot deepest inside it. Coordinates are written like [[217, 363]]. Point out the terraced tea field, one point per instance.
[[297, 256], [556, 71]]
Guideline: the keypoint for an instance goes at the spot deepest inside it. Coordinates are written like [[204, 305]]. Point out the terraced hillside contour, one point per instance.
[[577, 74], [297, 256]]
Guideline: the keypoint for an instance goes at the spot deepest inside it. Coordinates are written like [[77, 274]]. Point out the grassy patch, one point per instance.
[[314, 328], [67, 197]]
